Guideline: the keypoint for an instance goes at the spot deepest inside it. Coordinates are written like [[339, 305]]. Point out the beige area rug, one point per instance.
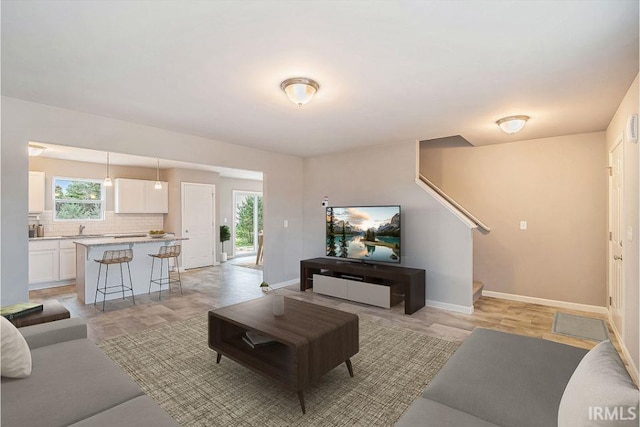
[[174, 365], [251, 265]]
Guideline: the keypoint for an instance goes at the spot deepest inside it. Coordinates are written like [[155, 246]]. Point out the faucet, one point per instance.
[[81, 229]]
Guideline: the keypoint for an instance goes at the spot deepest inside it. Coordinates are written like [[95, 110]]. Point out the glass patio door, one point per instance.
[[247, 224]]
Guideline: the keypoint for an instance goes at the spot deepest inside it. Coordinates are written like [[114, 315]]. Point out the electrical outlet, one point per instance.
[[523, 225]]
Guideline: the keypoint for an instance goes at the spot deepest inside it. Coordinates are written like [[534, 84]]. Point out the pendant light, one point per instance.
[[107, 179], [35, 150], [158, 185]]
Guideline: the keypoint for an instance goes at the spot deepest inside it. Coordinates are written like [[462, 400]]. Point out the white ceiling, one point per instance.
[[93, 156], [388, 70]]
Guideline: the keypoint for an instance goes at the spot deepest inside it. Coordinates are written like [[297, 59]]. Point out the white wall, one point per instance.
[[23, 121], [432, 238]]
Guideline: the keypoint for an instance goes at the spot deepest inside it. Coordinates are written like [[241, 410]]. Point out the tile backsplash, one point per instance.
[[113, 223]]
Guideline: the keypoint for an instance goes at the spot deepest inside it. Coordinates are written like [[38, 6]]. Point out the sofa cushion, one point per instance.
[[507, 379], [139, 412], [15, 355], [425, 412], [49, 333], [600, 383], [70, 381]]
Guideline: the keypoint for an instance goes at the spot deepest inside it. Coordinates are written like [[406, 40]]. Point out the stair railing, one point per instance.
[[453, 206]]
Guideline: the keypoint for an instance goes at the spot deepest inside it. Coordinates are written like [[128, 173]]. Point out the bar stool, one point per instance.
[[166, 252], [109, 258]]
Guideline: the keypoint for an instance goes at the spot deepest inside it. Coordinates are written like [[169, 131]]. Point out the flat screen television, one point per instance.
[[365, 233]]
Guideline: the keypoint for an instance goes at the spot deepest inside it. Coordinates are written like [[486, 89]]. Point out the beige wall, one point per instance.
[[631, 254], [559, 186], [432, 238], [24, 121]]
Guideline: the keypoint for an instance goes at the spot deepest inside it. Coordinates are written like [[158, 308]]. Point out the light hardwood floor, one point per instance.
[[227, 284]]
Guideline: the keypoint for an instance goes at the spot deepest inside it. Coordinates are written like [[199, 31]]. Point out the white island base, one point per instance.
[[89, 250]]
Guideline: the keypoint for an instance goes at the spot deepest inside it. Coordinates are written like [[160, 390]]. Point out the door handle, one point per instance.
[[186, 231], [616, 257]]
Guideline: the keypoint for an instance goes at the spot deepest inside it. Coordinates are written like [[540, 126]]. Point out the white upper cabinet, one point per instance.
[[36, 191], [129, 195], [140, 196], [157, 201]]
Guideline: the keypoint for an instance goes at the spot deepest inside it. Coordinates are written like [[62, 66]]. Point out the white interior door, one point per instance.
[[198, 224], [616, 283]]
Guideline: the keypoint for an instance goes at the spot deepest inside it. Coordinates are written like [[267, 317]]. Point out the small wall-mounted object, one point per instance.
[[632, 128], [325, 201]]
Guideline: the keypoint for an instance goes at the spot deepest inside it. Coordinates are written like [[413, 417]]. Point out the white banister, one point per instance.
[[453, 206]]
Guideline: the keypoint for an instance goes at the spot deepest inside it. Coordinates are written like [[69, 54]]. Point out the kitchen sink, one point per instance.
[[81, 236]]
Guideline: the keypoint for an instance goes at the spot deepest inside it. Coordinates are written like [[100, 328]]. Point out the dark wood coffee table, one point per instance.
[[311, 340], [51, 311]]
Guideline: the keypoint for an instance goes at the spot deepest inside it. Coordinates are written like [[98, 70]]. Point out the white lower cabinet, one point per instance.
[[51, 261], [67, 260], [353, 290]]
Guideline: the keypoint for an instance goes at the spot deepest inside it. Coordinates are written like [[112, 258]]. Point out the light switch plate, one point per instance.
[[286, 223], [630, 233], [523, 225]]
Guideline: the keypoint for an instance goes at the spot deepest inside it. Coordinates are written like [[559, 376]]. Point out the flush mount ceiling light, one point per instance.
[[158, 185], [300, 90], [107, 179], [36, 150], [512, 124]]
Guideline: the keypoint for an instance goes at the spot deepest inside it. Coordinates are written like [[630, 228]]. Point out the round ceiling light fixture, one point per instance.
[[300, 90], [512, 124]]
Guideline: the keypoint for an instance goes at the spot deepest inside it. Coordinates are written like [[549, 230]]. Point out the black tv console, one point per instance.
[[411, 281]]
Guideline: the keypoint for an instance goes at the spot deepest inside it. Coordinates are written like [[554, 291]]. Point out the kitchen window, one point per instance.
[[78, 199]]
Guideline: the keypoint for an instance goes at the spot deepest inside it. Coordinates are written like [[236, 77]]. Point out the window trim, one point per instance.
[[102, 199]]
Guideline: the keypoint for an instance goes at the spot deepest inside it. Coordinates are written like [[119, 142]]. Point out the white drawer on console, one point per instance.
[[367, 293], [332, 286]]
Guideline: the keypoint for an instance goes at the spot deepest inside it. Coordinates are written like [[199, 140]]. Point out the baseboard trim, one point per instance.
[[625, 351], [547, 302], [450, 307], [286, 283], [48, 285]]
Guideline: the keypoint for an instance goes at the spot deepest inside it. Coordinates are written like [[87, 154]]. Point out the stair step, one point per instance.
[[477, 290]]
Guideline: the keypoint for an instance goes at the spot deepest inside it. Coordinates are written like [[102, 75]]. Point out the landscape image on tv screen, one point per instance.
[[368, 233]]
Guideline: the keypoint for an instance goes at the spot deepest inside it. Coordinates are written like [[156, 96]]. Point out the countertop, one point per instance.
[[90, 236], [112, 241]]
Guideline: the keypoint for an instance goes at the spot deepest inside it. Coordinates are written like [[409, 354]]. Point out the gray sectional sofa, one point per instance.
[[73, 383], [501, 379]]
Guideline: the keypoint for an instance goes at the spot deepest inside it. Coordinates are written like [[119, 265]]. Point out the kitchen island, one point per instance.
[[88, 250]]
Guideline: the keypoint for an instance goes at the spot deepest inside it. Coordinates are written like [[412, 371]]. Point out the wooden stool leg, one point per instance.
[[95, 299], [301, 399], [349, 367], [121, 281], [179, 279], [131, 284], [153, 262], [106, 280]]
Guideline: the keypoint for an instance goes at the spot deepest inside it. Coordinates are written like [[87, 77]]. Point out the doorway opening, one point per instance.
[[247, 223]]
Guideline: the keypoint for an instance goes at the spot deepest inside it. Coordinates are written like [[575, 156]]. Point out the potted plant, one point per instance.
[[225, 235]]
